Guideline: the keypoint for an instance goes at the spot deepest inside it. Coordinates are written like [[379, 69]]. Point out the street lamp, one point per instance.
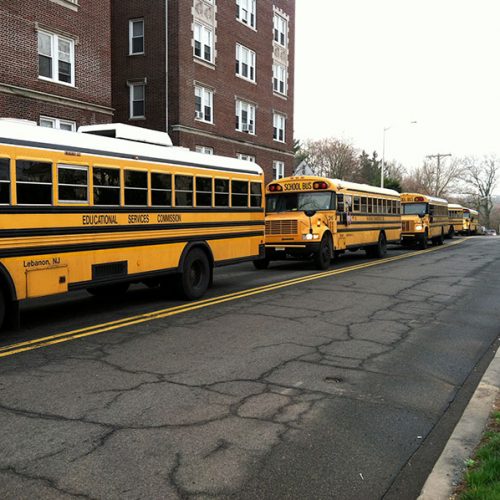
[[382, 173]]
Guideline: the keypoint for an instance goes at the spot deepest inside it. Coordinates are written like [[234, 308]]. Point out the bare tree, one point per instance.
[[434, 178], [332, 158], [480, 178]]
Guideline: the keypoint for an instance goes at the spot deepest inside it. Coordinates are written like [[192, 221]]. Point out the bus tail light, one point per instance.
[[419, 198], [320, 185], [275, 187]]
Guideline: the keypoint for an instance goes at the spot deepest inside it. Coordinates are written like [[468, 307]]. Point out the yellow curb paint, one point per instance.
[[30, 345]]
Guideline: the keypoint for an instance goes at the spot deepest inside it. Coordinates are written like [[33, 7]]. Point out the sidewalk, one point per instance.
[[450, 467]]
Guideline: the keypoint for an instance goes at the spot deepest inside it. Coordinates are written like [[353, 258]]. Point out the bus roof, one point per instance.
[[25, 135], [471, 210], [455, 206], [339, 184], [428, 199]]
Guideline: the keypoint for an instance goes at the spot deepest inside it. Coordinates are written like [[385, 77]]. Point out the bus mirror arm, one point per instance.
[[310, 214]]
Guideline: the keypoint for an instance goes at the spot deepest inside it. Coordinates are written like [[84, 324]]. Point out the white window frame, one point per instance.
[[54, 57], [280, 77], [132, 86], [280, 30], [278, 169], [247, 126], [206, 150], [131, 36], [206, 97], [279, 127], [245, 62], [247, 12], [56, 123], [205, 37], [244, 157]]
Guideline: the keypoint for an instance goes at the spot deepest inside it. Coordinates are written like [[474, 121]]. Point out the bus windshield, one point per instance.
[[414, 208], [299, 201], [466, 215]]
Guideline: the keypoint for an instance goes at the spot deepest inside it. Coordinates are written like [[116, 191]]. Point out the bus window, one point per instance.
[[221, 192], [73, 183], [255, 194], [239, 193], [34, 182], [340, 202], [203, 191], [161, 190], [183, 191], [136, 187], [106, 186], [357, 204], [364, 207], [4, 181]]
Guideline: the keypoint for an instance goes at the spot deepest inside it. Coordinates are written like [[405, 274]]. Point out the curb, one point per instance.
[[449, 469]]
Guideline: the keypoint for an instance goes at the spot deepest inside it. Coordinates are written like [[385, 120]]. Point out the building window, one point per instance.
[[280, 30], [56, 58], [279, 122], [46, 121], [245, 63], [205, 150], [136, 36], [204, 100], [245, 12], [137, 99], [203, 42], [73, 183], [278, 169], [280, 78], [245, 117], [246, 157]]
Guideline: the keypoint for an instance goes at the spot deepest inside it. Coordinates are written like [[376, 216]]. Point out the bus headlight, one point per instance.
[[310, 236], [418, 227]]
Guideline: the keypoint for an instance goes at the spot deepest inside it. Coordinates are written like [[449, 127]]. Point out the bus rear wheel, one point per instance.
[[380, 249], [323, 256], [109, 291], [195, 277]]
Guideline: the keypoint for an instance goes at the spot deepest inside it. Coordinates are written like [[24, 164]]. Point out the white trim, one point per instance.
[[55, 40]]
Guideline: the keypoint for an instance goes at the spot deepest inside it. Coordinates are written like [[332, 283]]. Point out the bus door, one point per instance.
[[344, 216]]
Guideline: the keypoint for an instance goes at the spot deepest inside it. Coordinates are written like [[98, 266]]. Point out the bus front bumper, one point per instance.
[[277, 251]]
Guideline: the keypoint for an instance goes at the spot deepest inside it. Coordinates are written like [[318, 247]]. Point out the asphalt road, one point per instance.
[[342, 386]]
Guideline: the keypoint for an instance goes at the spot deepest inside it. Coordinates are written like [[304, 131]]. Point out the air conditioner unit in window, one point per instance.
[[245, 128], [198, 115]]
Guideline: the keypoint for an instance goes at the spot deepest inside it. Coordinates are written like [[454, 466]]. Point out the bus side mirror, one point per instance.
[[310, 213]]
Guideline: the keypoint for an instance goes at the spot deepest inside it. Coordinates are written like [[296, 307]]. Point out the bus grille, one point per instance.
[[406, 226], [274, 227]]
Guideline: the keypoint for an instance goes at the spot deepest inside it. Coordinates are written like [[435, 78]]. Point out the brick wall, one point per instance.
[[89, 27]]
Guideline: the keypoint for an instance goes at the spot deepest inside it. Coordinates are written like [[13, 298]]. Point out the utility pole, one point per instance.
[[439, 156]]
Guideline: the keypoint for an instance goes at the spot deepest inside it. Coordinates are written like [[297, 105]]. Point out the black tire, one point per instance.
[[3, 308], [451, 233], [194, 280], [323, 256], [440, 240], [261, 263], [109, 291], [379, 250]]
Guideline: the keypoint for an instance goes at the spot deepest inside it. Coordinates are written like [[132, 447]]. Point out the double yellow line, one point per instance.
[[58, 338]]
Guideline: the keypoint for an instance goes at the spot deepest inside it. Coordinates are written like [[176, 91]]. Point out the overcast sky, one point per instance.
[[363, 65]]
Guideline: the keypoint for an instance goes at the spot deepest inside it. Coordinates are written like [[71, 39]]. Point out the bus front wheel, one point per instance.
[[195, 277], [323, 256], [261, 263]]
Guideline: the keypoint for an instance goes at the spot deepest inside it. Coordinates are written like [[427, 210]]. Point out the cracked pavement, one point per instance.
[[321, 390]]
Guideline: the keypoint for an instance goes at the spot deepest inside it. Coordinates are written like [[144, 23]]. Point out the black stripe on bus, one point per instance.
[[89, 210], [97, 152], [83, 247], [67, 231], [367, 229]]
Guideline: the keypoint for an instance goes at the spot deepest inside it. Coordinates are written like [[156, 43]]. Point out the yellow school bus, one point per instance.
[[112, 205], [456, 218], [315, 217], [470, 221], [424, 218]]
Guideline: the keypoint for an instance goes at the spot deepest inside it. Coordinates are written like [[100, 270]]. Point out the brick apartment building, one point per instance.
[[216, 74], [55, 61]]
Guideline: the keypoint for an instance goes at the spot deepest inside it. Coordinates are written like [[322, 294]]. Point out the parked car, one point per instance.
[[491, 232]]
